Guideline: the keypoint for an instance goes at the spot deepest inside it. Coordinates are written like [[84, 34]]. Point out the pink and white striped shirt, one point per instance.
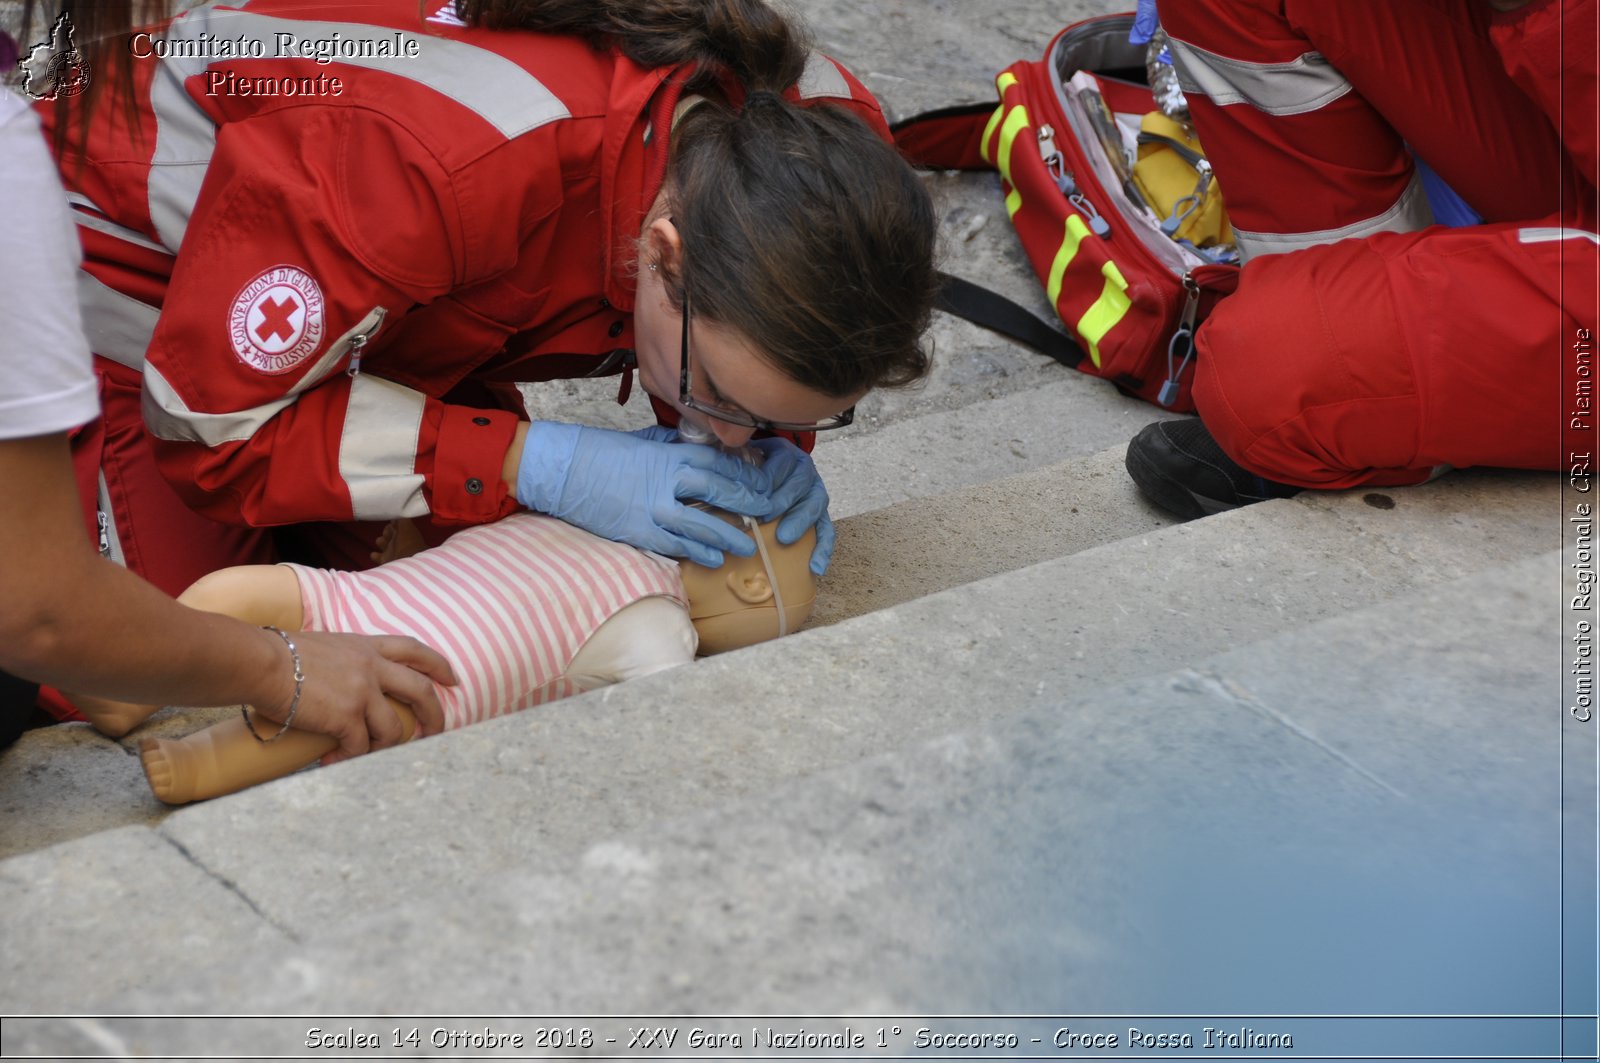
[[509, 604]]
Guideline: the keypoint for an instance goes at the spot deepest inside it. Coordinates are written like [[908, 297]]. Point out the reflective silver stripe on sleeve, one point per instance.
[[378, 450], [1296, 87], [119, 326], [376, 453], [822, 79], [169, 417], [92, 217], [185, 135], [367, 326], [491, 86], [1540, 234], [1409, 213]]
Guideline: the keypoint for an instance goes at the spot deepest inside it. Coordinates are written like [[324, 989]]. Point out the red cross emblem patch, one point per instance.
[[276, 321]]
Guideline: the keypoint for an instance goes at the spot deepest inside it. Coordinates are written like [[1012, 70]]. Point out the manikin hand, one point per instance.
[[346, 679], [798, 496]]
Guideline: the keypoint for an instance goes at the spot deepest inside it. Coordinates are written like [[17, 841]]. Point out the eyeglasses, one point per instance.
[[741, 417]]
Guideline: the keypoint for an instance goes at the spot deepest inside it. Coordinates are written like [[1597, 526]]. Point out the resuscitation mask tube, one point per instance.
[[772, 575]]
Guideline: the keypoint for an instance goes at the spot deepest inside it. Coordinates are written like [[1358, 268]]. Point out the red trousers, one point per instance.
[[1395, 350], [132, 512]]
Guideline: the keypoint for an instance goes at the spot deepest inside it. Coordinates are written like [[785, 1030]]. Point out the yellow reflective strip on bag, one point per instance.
[[1075, 231], [988, 132], [1016, 121], [1106, 311], [1001, 84]]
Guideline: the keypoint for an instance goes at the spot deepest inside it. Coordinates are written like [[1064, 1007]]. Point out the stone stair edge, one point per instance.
[[608, 864]]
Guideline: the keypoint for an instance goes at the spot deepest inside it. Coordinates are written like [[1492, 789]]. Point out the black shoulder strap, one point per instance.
[[995, 312]]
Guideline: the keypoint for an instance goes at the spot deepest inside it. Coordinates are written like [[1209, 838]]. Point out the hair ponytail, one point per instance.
[[802, 228], [745, 38]]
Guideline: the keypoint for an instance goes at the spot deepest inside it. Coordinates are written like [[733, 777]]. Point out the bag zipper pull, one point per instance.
[[1052, 158], [1191, 202], [359, 341], [1067, 184], [1097, 225], [1182, 341]]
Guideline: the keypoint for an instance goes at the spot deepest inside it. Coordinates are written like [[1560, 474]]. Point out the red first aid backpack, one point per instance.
[[1129, 295]]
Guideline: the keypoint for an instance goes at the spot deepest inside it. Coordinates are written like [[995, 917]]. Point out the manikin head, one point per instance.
[[738, 604]]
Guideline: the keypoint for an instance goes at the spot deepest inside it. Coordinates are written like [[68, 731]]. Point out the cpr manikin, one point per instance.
[[527, 610]]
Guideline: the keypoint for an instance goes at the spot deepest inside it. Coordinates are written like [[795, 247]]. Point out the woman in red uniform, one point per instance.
[[1364, 346], [323, 244], [70, 617]]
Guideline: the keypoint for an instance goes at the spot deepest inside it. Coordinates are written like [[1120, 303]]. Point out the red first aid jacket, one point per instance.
[[333, 236]]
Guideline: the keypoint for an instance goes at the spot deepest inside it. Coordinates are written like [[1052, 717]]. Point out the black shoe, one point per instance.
[[1179, 467]]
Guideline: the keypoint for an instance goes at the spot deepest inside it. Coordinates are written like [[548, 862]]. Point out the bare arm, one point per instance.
[[71, 618]]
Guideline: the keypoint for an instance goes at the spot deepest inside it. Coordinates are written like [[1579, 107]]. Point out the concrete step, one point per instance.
[[925, 545], [437, 817], [1299, 826], [1066, 415]]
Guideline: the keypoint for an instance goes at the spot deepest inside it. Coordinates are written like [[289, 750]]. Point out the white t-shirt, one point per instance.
[[46, 380]]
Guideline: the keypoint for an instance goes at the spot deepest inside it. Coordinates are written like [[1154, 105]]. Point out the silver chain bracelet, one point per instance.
[[299, 685]]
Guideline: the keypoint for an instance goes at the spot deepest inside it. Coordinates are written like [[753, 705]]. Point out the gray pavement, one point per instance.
[[1151, 846]]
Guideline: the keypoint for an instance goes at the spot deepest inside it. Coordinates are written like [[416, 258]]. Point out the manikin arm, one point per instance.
[[651, 635]]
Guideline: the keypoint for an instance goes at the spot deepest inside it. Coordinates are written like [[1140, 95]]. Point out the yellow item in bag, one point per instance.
[[1177, 181]]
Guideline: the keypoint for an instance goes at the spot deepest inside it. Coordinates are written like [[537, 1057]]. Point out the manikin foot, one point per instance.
[[223, 759], [399, 538], [172, 769], [112, 718], [226, 758]]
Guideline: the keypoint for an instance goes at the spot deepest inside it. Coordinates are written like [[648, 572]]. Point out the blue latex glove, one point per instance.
[[799, 496], [629, 487], [1144, 23]]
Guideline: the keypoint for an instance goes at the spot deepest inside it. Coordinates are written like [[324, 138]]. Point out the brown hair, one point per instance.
[[802, 228], [100, 30]]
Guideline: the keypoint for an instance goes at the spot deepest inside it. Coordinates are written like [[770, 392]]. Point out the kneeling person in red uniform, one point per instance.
[[1365, 346]]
